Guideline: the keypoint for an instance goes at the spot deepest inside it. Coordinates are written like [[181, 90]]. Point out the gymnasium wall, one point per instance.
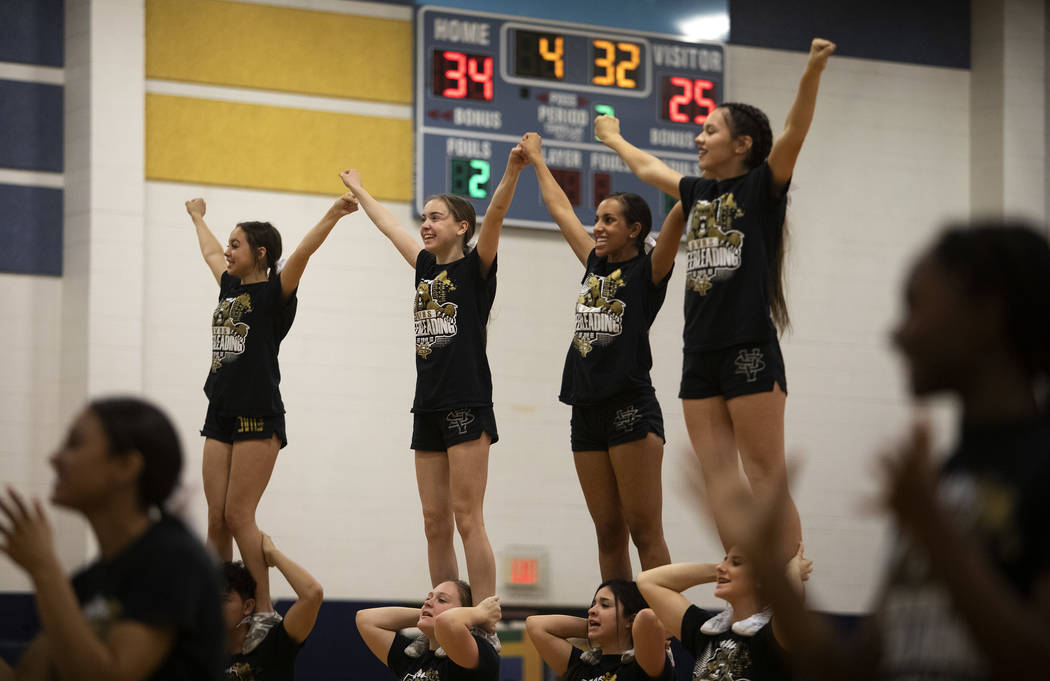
[[259, 119]]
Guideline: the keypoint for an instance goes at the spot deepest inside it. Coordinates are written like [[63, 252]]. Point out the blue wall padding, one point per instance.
[[932, 32], [31, 126], [30, 230], [32, 32]]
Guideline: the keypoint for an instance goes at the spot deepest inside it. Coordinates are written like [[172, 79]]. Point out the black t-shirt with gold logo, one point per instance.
[[163, 579], [247, 328], [272, 660], [450, 311], [611, 668], [733, 229], [430, 667], [610, 353], [994, 490], [729, 655]]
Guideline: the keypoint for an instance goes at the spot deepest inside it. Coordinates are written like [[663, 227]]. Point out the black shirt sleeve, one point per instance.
[[488, 662], [692, 620], [396, 659], [284, 309]]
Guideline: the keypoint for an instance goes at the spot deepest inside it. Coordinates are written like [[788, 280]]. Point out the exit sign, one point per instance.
[[525, 568]]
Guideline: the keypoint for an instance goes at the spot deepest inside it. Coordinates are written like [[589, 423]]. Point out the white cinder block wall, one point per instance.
[[871, 188], [887, 160]]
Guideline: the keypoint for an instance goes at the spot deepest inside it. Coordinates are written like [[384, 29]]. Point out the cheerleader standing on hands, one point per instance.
[[454, 424], [244, 427], [733, 380], [617, 434]]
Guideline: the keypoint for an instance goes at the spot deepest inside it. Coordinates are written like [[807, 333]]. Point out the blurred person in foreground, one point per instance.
[[967, 594], [148, 606]]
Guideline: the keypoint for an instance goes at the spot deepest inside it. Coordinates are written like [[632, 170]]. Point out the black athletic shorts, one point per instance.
[[618, 420], [436, 431], [230, 429], [734, 371]]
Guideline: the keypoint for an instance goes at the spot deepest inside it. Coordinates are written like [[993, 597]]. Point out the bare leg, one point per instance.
[[468, 464], [710, 430], [637, 466], [251, 463], [758, 421], [598, 482], [432, 478], [216, 474]]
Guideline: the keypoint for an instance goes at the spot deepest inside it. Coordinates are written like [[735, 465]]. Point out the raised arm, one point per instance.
[[662, 588], [378, 626], [211, 249], [666, 247], [647, 167], [130, 651], [300, 618], [452, 630], [556, 201], [796, 574], [549, 633], [296, 264], [786, 147], [488, 239], [382, 218]]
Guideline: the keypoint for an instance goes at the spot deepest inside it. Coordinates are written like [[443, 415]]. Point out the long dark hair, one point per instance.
[[1010, 261], [134, 425], [628, 601], [744, 119], [263, 235]]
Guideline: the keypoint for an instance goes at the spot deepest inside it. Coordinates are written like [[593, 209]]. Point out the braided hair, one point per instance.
[[750, 121]]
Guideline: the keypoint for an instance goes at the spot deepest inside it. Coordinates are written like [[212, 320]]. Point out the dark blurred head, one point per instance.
[[116, 443], [981, 288]]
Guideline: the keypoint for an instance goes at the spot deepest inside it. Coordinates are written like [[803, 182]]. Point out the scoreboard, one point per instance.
[[483, 80]]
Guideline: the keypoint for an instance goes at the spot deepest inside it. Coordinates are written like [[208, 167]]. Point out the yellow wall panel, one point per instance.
[[278, 48], [204, 141]]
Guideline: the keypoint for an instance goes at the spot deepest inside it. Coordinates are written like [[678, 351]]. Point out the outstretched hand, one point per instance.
[[351, 178], [819, 51], [26, 533], [196, 208], [345, 204], [606, 127], [518, 159], [532, 144]]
